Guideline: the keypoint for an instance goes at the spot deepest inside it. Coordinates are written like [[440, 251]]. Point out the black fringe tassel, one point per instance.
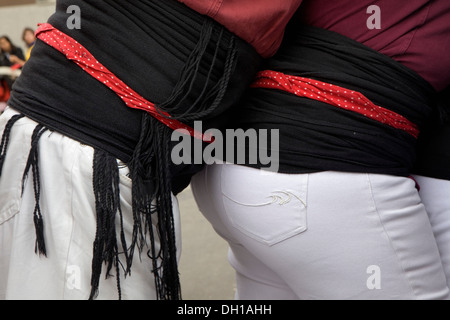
[[153, 221], [107, 205], [152, 206], [211, 96], [152, 212], [33, 164], [5, 138]]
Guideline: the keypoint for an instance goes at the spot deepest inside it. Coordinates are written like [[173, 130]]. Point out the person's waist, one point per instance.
[[328, 57], [339, 97], [338, 105], [56, 92], [139, 46]]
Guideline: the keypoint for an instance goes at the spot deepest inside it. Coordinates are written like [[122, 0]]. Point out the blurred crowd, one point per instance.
[[12, 59]]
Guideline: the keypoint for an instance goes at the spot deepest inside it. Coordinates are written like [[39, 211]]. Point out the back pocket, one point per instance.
[[268, 207], [12, 171]]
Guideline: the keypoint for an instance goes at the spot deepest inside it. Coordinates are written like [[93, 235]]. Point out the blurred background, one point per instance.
[[16, 15], [204, 269]]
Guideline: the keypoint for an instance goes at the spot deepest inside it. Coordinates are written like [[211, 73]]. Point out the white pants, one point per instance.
[[68, 209], [327, 236], [435, 196]]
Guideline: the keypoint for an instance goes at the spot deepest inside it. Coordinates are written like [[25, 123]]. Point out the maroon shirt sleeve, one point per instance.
[[414, 32], [259, 22]]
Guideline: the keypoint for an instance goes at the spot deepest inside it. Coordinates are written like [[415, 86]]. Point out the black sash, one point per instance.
[[315, 136]]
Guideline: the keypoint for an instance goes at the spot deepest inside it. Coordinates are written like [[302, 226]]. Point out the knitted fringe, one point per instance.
[[33, 164], [5, 138]]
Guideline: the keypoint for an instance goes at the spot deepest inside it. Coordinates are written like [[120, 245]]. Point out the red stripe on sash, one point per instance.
[[84, 59], [335, 96]]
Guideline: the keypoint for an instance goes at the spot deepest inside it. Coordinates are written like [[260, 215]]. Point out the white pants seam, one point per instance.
[[71, 234], [391, 243]]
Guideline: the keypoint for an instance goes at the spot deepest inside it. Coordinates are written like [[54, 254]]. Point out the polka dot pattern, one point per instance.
[[75, 52], [335, 96]]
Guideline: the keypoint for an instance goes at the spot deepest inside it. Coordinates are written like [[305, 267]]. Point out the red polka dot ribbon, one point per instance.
[[82, 57], [335, 96]]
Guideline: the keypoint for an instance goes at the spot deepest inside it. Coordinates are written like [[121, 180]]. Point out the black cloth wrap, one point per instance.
[[145, 44], [315, 136]]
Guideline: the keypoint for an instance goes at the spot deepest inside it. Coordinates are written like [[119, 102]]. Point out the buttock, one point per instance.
[[327, 235]]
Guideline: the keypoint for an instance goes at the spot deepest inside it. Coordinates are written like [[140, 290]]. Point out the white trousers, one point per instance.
[[68, 209], [327, 236], [435, 194]]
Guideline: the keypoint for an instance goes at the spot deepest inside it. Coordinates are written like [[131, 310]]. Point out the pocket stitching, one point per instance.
[[298, 190], [302, 224]]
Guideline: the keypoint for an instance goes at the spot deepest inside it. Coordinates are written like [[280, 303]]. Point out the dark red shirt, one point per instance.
[[414, 32], [259, 22]]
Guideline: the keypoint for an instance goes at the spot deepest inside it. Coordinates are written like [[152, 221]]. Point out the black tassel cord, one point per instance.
[[5, 138], [107, 205], [33, 164], [150, 173], [153, 221]]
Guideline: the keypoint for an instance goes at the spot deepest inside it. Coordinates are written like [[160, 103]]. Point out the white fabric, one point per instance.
[[435, 194], [68, 208], [327, 236]]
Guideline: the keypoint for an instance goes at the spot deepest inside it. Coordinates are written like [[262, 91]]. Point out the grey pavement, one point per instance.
[[204, 269]]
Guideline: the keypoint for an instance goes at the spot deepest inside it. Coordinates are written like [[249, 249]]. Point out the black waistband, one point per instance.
[[315, 136]]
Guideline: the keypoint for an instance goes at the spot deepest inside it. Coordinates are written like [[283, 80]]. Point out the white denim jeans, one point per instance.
[[68, 209], [327, 236], [435, 194]]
